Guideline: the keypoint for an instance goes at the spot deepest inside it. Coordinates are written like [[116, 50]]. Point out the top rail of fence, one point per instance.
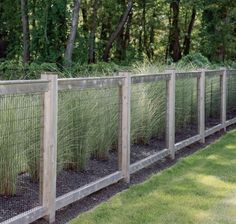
[[231, 72], [191, 74], [89, 82], [214, 72], [23, 86], [140, 78], [33, 86]]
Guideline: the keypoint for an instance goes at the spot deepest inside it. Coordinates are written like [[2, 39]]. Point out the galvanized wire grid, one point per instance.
[[20, 118], [186, 108], [212, 100], [148, 119], [231, 96], [87, 136]]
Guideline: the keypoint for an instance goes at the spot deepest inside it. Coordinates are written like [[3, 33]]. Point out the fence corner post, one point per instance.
[[201, 105], [223, 87], [48, 163], [170, 114], [124, 126]]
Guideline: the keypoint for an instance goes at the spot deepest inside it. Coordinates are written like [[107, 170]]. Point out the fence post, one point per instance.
[[170, 111], [124, 126], [48, 163], [223, 87], [201, 105]]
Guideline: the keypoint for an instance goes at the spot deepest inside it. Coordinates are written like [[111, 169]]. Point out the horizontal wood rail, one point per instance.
[[87, 190], [27, 217], [83, 83], [184, 75], [135, 79], [23, 87]]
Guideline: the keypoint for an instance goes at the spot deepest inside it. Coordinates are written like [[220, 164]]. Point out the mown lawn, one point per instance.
[[198, 189]]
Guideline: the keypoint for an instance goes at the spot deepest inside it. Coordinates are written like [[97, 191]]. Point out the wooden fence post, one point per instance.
[[223, 87], [170, 114], [124, 127], [48, 163], [201, 105]]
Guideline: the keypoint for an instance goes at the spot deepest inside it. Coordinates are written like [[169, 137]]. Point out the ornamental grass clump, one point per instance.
[[11, 161], [147, 111], [87, 127], [185, 103]]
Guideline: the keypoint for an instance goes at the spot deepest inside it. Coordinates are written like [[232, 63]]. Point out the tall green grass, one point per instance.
[[19, 141]]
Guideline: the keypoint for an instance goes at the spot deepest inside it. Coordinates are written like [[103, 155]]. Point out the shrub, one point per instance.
[[193, 60]]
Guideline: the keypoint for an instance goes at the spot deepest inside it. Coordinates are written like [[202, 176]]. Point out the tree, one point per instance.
[[187, 37], [174, 38], [91, 51], [73, 31], [117, 31], [26, 34]]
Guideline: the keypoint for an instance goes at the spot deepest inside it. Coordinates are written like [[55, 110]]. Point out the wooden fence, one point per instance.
[[50, 85]]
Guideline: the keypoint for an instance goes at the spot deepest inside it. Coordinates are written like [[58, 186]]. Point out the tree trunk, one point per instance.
[[73, 31], [187, 38], [84, 10], [26, 35], [174, 48], [115, 34], [91, 51], [167, 51]]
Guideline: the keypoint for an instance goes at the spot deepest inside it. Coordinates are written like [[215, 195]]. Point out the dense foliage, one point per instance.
[[122, 31]]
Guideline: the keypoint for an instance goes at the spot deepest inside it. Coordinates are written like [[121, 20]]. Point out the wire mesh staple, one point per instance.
[[87, 136], [20, 122], [148, 119]]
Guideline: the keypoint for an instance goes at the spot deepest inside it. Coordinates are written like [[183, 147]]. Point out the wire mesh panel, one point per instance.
[[148, 119], [87, 136], [212, 99], [231, 94], [20, 122], [186, 107]]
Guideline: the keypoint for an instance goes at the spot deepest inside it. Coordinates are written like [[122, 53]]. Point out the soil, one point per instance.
[[27, 195]]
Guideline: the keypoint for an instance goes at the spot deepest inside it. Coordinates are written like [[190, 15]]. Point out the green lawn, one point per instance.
[[198, 189]]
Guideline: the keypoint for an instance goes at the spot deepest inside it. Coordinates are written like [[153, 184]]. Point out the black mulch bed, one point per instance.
[[27, 192], [212, 121]]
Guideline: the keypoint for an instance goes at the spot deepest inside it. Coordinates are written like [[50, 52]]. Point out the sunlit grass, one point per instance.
[[198, 189]]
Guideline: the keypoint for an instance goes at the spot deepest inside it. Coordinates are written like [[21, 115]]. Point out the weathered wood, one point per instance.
[[120, 101], [201, 105], [22, 87], [125, 123], [213, 72], [148, 161], [223, 86], [214, 129], [230, 122], [27, 217], [49, 147], [88, 189], [140, 78], [170, 115], [231, 72], [187, 142], [95, 82], [183, 75]]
